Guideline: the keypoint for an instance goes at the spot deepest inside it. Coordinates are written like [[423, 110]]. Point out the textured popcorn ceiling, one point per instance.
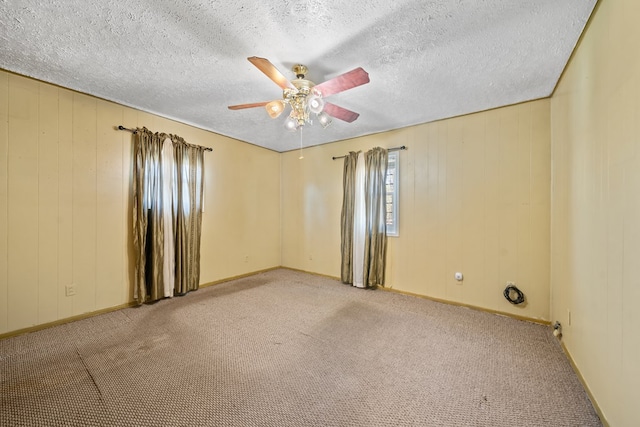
[[186, 60]]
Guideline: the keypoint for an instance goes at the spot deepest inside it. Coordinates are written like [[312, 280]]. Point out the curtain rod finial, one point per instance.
[[120, 127]]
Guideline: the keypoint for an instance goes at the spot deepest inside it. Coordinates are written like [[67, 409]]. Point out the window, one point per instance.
[[392, 185]]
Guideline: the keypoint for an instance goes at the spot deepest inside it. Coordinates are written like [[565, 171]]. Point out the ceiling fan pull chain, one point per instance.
[[301, 156]]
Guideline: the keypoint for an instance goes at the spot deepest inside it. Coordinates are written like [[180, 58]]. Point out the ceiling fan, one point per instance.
[[306, 97]]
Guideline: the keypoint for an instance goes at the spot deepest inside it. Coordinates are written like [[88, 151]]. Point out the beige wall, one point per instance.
[[65, 176], [474, 197], [596, 209]]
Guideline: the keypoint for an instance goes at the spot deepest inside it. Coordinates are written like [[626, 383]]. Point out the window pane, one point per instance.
[[392, 194]]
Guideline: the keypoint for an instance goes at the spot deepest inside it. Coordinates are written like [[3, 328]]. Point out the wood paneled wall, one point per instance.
[[65, 203], [474, 198], [595, 285]]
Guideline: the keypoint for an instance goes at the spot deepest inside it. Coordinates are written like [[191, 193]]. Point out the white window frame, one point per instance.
[[392, 226]]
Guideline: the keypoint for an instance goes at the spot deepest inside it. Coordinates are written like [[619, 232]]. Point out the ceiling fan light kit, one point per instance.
[[305, 97]]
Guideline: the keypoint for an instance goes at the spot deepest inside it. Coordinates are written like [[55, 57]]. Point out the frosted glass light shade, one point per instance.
[[274, 108], [324, 119], [315, 103], [291, 124]]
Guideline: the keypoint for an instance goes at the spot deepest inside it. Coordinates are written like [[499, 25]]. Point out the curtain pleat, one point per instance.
[[168, 168], [359, 225], [148, 227], [346, 223], [188, 198], [375, 245]]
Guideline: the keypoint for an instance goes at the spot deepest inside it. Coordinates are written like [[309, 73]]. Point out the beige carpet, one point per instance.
[[284, 348]]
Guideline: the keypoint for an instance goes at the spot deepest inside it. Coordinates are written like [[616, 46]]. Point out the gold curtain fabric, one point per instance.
[[375, 243], [375, 247], [148, 227], [346, 226], [183, 211], [188, 198]]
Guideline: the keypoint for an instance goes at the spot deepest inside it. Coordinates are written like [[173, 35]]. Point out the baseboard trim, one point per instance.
[[310, 272], [443, 301], [473, 307], [593, 400], [89, 314], [240, 276], [66, 320]]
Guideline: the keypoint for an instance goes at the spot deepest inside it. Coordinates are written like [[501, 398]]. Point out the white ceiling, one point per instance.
[[187, 60]]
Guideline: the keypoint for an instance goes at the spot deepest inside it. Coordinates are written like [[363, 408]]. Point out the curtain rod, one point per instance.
[[133, 131], [402, 147]]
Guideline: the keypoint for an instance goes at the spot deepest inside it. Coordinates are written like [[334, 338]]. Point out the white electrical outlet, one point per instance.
[[70, 290]]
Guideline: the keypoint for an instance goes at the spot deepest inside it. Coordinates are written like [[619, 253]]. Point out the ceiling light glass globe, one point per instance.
[[291, 124]]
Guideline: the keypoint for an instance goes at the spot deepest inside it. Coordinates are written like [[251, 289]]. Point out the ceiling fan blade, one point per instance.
[[343, 82], [243, 106], [271, 71], [340, 113]]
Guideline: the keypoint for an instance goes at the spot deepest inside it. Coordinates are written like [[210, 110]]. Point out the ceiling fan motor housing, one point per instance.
[[300, 70]]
